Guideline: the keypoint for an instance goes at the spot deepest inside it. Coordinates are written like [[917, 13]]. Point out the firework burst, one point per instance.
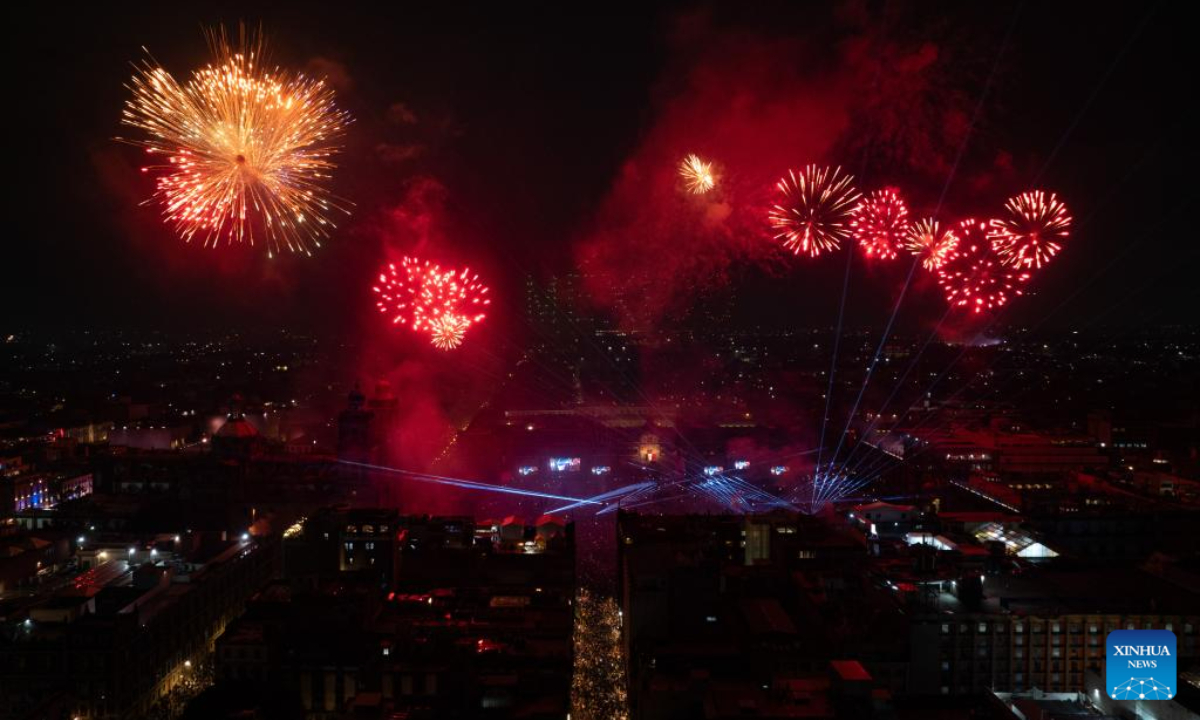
[[443, 304], [1033, 232], [446, 332], [814, 210], [929, 241], [879, 222], [973, 277], [697, 175], [243, 152]]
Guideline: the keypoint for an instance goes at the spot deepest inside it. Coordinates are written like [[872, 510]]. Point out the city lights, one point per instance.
[[789, 360]]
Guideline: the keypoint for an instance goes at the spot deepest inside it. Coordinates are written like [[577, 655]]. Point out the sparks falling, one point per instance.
[[443, 304], [814, 210], [697, 175], [1033, 232], [879, 223], [928, 240], [973, 277], [242, 153]]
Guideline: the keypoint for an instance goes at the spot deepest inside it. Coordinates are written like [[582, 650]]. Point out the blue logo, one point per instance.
[[1141, 665]]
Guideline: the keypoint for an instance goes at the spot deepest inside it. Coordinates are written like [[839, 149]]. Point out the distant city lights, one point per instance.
[[779, 470]]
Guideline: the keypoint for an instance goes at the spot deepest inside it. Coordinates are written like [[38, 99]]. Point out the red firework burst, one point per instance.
[[879, 223], [973, 276], [1033, 232], [441, 303], [929, 241], [814, 210]]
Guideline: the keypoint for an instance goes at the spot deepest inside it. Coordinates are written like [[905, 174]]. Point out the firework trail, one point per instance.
[[973, 276], [242, 152], [697, 175], [929, 241], [1033, 232], [880, 221], [814, 210], [443, 304]]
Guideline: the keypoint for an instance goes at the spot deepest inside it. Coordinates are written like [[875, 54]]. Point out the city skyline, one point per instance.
[[833, 360]]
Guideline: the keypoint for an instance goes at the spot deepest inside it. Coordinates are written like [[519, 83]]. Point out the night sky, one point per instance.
[[528, 138]]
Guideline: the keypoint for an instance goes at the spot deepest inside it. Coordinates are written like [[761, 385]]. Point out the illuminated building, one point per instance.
[[1044, 633], [121, 647], [464, 629], [714, 624]]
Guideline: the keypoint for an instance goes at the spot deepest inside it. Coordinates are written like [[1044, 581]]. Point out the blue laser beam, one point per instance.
[[469, 484]]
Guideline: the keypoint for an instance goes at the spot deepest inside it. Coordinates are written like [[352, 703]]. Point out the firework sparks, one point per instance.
[[447, 331], [973, 276], [245, 151], [929, 241], [814, 211], [697, 175], [1033, 232], [879, 222], [441, 303]]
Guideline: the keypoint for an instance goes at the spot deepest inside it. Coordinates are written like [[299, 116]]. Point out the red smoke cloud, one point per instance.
[[414, 226], [757, 106]]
